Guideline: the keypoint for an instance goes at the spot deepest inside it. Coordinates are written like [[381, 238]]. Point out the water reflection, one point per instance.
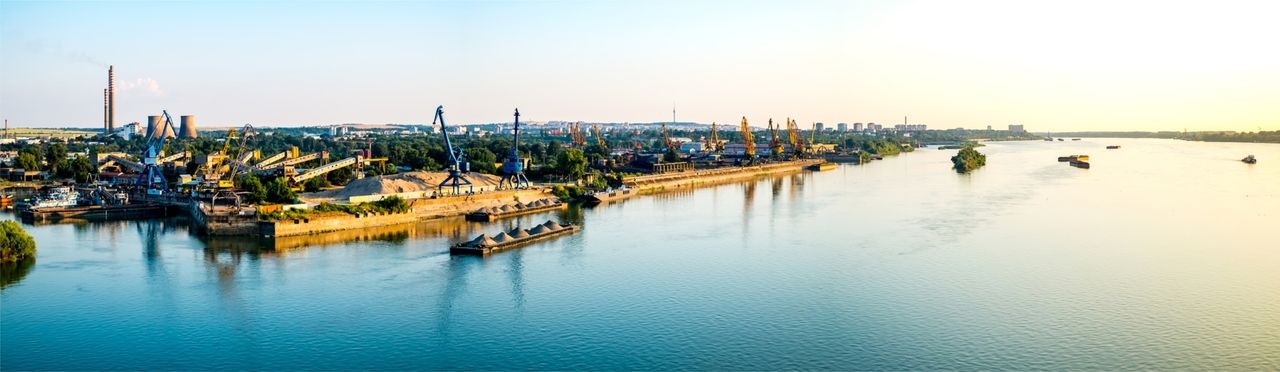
[[12, 273]]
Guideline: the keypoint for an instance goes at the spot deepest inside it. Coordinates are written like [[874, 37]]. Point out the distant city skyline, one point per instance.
[[1051, 66]]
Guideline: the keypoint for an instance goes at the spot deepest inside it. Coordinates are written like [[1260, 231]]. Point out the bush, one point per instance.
[[15, 244], [968, 159]]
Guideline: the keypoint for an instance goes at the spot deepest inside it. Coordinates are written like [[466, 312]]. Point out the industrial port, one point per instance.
[[281, 182]]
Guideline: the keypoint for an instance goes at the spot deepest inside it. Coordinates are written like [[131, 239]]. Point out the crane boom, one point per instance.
[[748, 140], [457, 159]]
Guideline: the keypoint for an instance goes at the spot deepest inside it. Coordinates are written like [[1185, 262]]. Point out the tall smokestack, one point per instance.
[[106, 128], [111, 98]]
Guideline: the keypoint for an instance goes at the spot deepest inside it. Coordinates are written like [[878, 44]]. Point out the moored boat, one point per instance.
[[1250, 160], [1113, 147], [1080, 164], [597, 197]]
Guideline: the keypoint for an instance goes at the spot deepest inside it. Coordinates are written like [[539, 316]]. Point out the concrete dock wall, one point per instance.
[[322, 223]]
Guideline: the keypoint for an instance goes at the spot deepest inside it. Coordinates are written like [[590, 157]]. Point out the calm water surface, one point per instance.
[[1165, 255]]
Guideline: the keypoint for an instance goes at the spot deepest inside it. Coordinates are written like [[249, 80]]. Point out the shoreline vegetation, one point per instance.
[[15, 244], [968, 159], [1204, 136]]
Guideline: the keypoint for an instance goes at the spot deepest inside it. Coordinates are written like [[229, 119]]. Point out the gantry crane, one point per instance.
[[748, 140], [458, 166], [513, 168], [152, 177]]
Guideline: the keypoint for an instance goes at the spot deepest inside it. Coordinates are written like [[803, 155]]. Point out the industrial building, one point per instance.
[[188, 128], [1017, 128]]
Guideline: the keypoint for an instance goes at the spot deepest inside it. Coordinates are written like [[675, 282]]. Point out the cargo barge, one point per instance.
[[98, 212], [824, 166], [493, 213], [484, 245], [598, 197], [1080, 164]]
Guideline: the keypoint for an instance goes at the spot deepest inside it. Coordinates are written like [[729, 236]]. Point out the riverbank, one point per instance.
[[699, 178]]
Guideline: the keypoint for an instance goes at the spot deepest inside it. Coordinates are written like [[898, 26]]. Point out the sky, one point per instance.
[[1050, 65]]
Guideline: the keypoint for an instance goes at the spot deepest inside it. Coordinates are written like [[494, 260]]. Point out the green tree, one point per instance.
[[572, 163], [15, 244], [55, 153], [340, 176], [28, 161], [968, 159], [252, 185], [482, 160], [278, 191], [315, 184]]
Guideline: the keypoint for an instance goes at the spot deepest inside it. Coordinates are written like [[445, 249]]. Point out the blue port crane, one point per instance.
[[152, 175], [513, 168], [458, 166]]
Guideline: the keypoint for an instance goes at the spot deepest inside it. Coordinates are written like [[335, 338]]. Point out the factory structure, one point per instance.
[[155, 127]]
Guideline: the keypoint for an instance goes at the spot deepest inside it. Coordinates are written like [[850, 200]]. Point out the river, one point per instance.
[[1164, 255]]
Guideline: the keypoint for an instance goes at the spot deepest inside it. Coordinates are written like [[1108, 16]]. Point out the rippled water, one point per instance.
[[1165, 255]]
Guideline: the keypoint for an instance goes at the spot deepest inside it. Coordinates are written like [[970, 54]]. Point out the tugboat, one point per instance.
[[1080, 164], [1250, 160]]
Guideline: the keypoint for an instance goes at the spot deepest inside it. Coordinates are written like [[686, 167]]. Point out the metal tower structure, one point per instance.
[[152, 177], [513, 168], [458, 166]]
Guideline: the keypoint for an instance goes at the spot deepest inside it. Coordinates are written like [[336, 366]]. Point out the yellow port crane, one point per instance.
[[775, 144], [812, 135], [595, 128], [713, 141], [748, 140], [575, 135], [793, 136]]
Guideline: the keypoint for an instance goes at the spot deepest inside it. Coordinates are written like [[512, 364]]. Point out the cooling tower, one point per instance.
[[153, 124], [188, 129]]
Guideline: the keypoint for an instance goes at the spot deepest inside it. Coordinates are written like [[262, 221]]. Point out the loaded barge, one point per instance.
[[483, 245], [598, 197], [487, 214]]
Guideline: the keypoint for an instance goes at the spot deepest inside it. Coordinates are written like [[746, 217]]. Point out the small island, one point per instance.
[[15, 244], [967, 160]]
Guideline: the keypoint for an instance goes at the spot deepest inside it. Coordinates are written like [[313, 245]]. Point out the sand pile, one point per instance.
[[409, 182]]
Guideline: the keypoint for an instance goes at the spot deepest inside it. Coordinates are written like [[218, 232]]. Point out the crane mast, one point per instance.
[[775, 145], [457, 159], [748, 140], [513, 168], [152, 176]]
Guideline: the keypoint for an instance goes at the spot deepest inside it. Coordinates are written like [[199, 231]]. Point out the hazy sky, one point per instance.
[[1071, 65]]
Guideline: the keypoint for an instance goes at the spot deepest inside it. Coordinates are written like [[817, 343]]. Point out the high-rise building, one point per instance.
[[857, 127], [1017, 128], [817, 127], [842, 127]]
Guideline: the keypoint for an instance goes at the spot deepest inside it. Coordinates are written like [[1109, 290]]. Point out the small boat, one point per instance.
[[1082, 157], [1073, 158], [1048, 139], [1075, 139], [1080, 164], [1060, 139], [1250, 160], [1113, 147]]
